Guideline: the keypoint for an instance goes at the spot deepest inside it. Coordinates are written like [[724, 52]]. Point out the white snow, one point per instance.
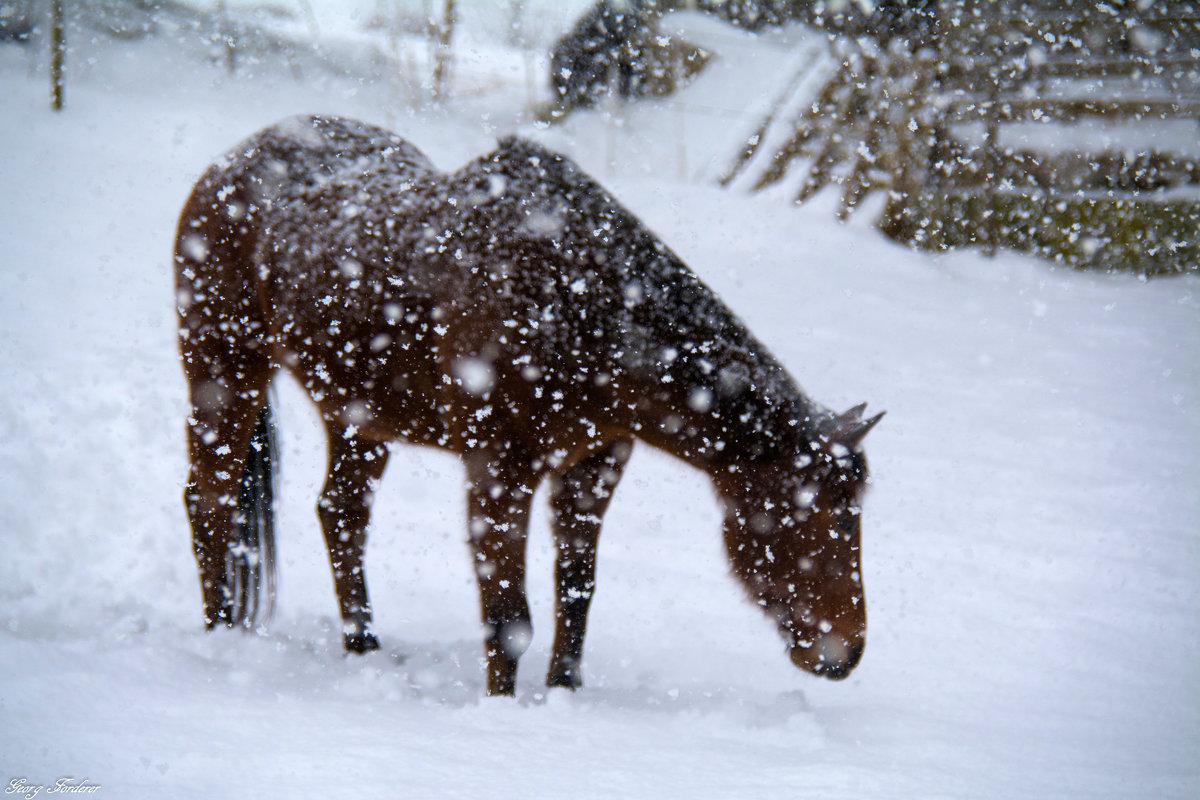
[[476, 375], [1031, 540]]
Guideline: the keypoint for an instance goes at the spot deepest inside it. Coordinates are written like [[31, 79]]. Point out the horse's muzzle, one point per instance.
[[836, 671], [830, 657]]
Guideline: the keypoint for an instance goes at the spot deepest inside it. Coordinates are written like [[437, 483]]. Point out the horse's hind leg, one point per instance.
[[355, 466], [227, 369], [579, 497], [224, 413]]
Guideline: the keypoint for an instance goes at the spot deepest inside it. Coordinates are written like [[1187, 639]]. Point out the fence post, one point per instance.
[[58, 55], [441, 62], [991, 169]]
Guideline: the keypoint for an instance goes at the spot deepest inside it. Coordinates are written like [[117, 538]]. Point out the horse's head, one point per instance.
[[792, 532]]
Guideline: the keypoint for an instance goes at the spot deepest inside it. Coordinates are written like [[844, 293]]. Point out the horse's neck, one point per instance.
[[722, 411], [688, 376], [700, 385]]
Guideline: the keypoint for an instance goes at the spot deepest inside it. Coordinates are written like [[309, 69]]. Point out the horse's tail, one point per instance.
[[252, 550]]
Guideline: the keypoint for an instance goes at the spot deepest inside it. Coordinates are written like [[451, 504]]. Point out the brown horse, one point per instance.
[[513, 313]]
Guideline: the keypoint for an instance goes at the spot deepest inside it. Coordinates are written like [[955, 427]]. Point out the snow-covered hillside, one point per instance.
[[1031, 539]]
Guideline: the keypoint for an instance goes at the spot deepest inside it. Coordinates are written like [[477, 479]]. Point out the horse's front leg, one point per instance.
[[355, 466], [579, 497], [500, 488]]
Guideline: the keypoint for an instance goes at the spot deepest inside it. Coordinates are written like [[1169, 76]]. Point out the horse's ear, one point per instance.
[[851, 428], [852, 415]]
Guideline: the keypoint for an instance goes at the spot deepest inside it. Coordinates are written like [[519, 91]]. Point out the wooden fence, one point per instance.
[[926, 122]]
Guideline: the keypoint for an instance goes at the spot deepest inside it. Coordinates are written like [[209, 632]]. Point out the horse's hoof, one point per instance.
[[502, 682], [361, 642], [565, 681], [221, 618], [568, 675]]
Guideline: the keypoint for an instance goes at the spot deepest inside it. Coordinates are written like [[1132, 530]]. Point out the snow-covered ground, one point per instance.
[[1032, 538]]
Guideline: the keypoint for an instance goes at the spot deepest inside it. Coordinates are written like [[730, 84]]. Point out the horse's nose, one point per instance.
[[836, 668]]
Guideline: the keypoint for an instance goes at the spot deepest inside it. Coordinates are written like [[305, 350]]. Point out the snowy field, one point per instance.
[[1032, 537]]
